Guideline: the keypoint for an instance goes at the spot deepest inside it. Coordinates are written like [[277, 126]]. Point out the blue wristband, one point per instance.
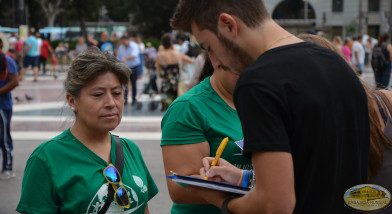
[[245, 179]]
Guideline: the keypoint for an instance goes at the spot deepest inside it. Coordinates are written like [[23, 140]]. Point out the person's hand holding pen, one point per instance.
[[222, 172]]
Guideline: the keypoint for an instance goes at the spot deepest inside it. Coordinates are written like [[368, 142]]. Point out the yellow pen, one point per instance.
[[219, 152]]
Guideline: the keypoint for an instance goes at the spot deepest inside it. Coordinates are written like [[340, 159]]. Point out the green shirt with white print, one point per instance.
[[64, 176]]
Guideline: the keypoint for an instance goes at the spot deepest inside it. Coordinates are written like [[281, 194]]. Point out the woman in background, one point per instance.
[[168, 64]]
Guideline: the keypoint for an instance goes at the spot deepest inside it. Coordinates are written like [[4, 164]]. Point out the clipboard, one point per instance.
[[184, 181]]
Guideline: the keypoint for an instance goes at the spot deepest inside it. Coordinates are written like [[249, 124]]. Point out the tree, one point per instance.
[[152, 16], [51, 8]]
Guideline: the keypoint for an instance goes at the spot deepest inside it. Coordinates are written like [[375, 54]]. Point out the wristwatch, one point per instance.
[[225, 209]]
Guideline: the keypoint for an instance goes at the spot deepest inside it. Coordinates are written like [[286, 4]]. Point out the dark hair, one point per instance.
[[207, 70], [167, 41], [90, 64], [383, 38], [124, 37], [205, 13]]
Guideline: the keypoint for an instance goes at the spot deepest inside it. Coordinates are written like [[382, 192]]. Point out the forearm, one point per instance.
[[256, 201], [8, 87], [130, 57], [181, 195]]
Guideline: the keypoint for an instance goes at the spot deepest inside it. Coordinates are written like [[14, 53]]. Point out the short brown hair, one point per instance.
[[205, 13], [90, 64]]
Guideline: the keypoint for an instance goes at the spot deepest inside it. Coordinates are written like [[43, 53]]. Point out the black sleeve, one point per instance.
[[264, 117]]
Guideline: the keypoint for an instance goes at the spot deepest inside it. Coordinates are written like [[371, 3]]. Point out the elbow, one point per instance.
[[176, 196], [286, 208]]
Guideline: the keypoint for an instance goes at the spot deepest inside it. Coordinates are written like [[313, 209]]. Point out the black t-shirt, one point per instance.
[[306, 100]]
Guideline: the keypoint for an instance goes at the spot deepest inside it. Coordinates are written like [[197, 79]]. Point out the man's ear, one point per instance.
[[227, 25]]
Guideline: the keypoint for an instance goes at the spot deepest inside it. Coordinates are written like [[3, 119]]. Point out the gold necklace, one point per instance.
[[280, 39]]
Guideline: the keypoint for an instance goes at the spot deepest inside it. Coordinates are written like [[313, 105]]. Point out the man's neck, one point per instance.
[[269, 35]]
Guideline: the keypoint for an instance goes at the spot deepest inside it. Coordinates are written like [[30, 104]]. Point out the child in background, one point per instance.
[[54, 62]]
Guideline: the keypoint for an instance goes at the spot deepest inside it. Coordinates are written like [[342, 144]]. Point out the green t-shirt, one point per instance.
[[202, 115], [64, 176]]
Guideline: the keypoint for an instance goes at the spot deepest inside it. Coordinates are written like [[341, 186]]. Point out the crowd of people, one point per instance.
[[373, 53], [296, 112]]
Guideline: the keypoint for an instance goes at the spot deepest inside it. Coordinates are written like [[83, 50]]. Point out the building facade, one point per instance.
[[333, 17]]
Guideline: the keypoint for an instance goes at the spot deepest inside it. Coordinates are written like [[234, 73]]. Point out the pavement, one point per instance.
[[40, 113]]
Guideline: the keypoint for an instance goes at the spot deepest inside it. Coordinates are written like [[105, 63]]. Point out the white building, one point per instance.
[[333, 17]]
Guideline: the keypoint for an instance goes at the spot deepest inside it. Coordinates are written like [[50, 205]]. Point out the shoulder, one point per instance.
[[131, 146]]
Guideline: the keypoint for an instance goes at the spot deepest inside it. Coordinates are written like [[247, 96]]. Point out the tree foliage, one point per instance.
[[152, 16]]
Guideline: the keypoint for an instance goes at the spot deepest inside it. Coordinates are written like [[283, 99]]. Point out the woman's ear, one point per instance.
[[71, 101], [227, 25]]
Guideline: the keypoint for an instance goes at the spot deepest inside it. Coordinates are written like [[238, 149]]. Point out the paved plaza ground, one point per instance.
[[46, 115]]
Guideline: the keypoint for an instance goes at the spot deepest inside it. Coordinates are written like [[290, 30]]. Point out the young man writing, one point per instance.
[[303, 110]]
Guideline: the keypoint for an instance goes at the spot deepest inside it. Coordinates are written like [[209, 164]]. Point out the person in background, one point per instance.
[[168, 67], [347, 52], [91, 41], [46, 48], [150, 54], [72, 172], [115, 41], [31, 56], [383, 75], [198, 65], [290, 128], [19, 52], [39, 44], [6, 86], [61, 53], [105, 44], [358, 55], [54, 62], [80, 46], [12, 40], [142, 48], [368, 51], [337, 41], [128, 53]]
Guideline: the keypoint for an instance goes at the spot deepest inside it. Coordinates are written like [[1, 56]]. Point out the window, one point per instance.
[[374, 5], [373, 31], [337, 5], [337, 31]]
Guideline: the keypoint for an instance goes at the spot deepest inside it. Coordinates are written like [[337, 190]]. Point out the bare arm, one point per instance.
[[27, 49], [184, 160], [146, 211], [130, 57], [186, 59], [13, 82], [389, 48], [356, 57]]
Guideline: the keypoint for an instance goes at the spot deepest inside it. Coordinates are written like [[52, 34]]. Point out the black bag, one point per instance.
[[378, 61]]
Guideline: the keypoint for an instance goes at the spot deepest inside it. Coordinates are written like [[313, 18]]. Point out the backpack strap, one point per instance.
[[119, 166]]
